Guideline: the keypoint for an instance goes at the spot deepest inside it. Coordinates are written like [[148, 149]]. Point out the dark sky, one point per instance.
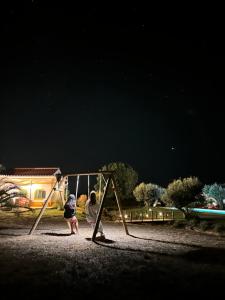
[[84, 86]]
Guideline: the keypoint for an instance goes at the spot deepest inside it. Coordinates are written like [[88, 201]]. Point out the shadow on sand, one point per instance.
[[99, 239], [11, 234], [56, 234], [166, 242], [207, 255]]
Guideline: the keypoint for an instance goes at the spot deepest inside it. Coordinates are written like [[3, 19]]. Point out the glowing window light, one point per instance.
[[160, 214], [150, 209], [126, 216], [34, 186], [146, 215]]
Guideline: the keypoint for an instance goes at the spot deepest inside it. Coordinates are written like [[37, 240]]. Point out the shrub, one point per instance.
[[179, 224], [81, 201], [214, 194], [107, 215], [219, 227], [193, 222], [204, 225]]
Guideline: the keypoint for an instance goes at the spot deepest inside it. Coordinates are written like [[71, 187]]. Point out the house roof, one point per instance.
[[32, 172]]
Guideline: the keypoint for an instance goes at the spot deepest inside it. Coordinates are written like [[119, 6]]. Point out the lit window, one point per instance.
[[40, 194]]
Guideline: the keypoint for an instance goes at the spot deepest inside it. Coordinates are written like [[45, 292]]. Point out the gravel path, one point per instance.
[[153, 260]]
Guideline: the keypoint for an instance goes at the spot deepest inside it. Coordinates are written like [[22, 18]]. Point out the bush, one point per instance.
[[214, 194], [81, 201], [204, 225], [219, 227], [179, 224], [193, 222], [107, 215]]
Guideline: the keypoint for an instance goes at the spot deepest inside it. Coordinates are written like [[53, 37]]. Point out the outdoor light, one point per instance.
[[160, 214], [33, 186], [150, 209], [126, 216], [147, 215]]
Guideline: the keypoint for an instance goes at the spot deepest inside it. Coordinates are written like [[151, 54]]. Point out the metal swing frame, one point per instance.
[[110, 179]]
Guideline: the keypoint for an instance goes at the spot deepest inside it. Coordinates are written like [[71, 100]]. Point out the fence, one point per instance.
[[150, 215]]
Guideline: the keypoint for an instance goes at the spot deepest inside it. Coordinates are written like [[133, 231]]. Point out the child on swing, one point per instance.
[[91, 210], [70, 214]]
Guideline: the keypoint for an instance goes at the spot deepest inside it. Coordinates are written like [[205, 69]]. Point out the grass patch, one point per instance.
[[29, 215]]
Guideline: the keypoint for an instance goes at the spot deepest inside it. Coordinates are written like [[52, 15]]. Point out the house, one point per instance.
[[36, 184]]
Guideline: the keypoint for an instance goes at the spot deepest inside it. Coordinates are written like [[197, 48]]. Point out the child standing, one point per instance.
[[91, 210], [70, 214]]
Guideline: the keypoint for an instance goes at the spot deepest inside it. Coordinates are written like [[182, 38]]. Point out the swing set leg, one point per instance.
[[43, 209], [101, 207]]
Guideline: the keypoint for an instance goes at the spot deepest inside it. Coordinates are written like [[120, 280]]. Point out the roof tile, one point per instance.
[[32, 171]]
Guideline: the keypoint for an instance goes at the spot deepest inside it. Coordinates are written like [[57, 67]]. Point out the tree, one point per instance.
[[181, 193], [2, 168], [215, 193], [140, 192], [125, 176], [8, 191], [149, 193]]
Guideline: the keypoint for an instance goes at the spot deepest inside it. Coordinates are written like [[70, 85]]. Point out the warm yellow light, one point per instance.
[[31, 187], [147, 215], [160, 214], [126, 216]]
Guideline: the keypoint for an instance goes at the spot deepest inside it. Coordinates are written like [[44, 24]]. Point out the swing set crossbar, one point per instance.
[[87, 174]]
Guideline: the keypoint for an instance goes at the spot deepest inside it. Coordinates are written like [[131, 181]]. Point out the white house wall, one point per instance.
[[31, 184]]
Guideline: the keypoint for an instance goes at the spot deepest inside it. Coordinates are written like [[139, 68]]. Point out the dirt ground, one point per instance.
[[154, 260]]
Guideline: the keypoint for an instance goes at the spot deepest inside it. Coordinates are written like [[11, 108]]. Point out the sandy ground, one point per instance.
[[154, 260]]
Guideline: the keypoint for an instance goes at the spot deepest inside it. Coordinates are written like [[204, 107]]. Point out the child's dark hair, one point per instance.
[[93, 198]]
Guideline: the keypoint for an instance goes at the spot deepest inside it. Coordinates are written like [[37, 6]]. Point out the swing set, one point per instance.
[[62, 181]]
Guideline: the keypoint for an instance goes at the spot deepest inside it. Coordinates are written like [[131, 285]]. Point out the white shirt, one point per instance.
[[91, 211]]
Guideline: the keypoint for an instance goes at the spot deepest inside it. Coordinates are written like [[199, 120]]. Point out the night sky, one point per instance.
[[84, 86]]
